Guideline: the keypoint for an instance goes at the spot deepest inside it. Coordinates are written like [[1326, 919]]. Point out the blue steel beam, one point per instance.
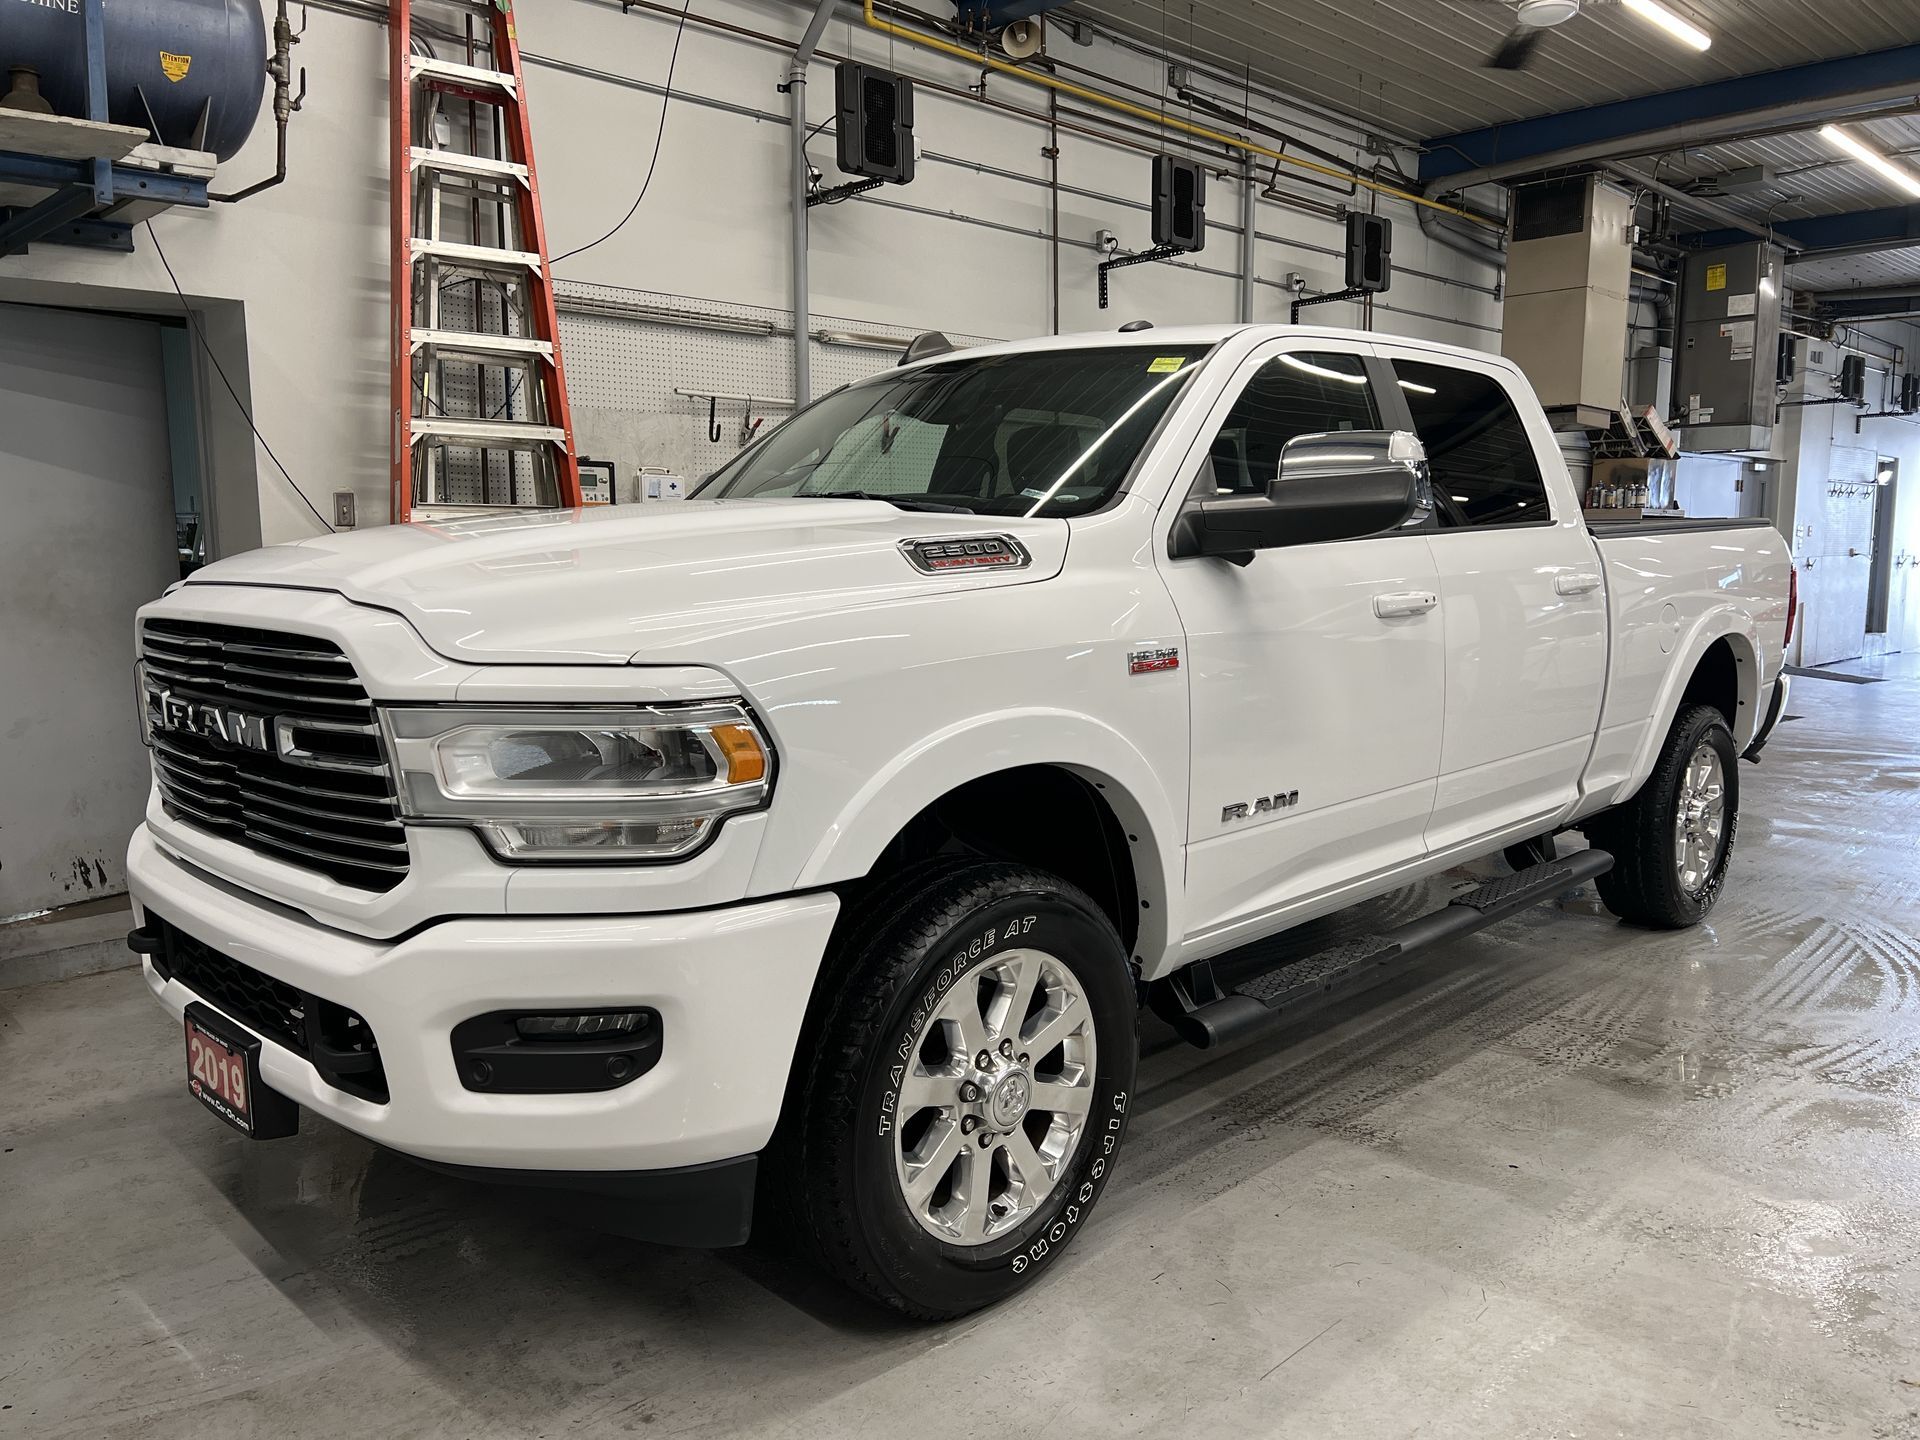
[[1521, 139], [129, 182], [88, 234], [1884, 229], [22, 227], [992, 14]]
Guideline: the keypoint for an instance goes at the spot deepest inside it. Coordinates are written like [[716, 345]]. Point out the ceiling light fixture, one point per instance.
[[1654, 13], [1867, 155]]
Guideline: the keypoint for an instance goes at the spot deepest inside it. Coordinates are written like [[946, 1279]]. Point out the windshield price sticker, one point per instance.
[[1166, 364]]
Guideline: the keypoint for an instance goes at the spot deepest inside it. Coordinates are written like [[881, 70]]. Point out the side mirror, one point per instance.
[[1338, 485]]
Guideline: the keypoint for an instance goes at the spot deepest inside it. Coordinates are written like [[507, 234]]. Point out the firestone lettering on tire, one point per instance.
[[1057, 1232]]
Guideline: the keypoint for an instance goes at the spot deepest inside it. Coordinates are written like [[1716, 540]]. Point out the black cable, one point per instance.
[[193, 322], [666, 99]]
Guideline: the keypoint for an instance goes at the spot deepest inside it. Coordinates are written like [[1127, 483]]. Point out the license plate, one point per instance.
[[220, 1076], [223, 1072]]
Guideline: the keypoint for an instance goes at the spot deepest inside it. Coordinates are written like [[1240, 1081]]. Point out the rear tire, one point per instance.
[[1671, 842], [966, 1088]]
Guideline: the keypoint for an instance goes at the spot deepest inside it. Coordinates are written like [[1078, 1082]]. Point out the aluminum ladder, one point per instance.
[[479, 405]]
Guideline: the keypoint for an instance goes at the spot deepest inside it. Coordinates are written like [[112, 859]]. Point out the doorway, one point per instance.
[[91, 477], [1880, 546]]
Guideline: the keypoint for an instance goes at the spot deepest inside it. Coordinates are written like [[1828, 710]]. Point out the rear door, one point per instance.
[[1314, 670], [1523, 604]]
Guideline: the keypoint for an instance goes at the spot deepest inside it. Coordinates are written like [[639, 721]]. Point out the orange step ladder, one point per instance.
[[480, 419]]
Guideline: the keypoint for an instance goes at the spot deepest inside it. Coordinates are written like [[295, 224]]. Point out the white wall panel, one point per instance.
[[296, 279]]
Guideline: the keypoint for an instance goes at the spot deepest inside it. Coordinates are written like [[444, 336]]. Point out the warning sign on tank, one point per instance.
[[175, 67]]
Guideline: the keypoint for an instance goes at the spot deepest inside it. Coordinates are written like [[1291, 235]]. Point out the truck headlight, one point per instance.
[[642, 783]]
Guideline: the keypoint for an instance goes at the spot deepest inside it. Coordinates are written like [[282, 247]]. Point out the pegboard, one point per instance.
[[623, 369]]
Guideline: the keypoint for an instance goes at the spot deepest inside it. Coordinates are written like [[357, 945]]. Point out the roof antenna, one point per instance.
[[925, 346], [1133, 325]]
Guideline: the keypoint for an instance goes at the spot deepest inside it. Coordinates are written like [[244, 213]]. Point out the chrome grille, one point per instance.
[[335, 814]]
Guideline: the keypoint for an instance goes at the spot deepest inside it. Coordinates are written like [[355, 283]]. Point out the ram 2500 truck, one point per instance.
[[822, 836]]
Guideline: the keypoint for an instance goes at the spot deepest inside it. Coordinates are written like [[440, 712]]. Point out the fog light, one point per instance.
[[552, 1052], [566, 1027]]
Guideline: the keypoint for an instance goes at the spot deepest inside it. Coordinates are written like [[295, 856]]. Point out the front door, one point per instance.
[[1314, 671]]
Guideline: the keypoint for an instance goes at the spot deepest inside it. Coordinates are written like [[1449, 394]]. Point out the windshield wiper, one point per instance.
[[900, 501]]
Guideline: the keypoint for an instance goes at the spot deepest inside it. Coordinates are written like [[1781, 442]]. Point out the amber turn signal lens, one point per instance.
[[746, 761]]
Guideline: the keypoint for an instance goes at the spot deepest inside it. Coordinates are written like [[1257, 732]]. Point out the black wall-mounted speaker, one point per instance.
[[1179, 203], [1853, 378], [874, 122], [1369, 252]]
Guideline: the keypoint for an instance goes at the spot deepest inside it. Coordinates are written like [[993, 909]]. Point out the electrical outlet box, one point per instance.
[[343, 509]]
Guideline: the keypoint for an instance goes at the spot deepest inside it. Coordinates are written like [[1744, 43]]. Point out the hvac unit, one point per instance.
[[1569, 268], [1728, 323]]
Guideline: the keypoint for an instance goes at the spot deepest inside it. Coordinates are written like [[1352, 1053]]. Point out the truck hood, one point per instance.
[[612, 584]]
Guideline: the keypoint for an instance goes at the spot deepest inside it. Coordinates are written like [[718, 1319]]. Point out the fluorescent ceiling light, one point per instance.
[[1654, 13], [1867, 155], [1417, 388]]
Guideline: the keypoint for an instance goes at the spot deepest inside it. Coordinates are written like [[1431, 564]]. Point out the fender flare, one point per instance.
[[1716, 625], [984, 745]]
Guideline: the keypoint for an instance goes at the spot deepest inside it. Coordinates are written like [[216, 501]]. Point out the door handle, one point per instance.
[[1405, 602], [1576, 583]]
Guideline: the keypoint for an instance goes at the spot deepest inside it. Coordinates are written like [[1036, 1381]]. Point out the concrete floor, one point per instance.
[[1570, 1180]]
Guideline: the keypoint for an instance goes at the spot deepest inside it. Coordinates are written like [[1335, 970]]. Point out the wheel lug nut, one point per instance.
[[1006, 1048], [969, 1092], [983, 1061], [969, 1124], [1023, 1059], [986, 1139]]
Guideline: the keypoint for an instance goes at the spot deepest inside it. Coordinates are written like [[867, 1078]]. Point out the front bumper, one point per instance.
[[730, 984]]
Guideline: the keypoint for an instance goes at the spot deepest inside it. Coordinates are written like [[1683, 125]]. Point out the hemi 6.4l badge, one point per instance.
[[1151, 662], [941, 553]]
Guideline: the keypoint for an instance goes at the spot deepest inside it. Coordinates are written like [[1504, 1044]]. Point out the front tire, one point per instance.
[[1672, 841], [967, 1088]]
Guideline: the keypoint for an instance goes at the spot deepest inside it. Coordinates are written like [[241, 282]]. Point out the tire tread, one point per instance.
[[1641, 887], [878, 954]]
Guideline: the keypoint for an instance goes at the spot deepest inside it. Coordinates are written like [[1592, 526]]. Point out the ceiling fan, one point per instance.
[[1534, 18], [1531, 21]]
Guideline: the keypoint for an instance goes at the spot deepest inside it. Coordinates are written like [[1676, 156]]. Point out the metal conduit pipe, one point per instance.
[[1249, 221], [796, 88], [1437, 229], [1710, 208]]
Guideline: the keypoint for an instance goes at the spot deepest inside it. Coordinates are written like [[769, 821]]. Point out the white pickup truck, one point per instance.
[[822, 836]]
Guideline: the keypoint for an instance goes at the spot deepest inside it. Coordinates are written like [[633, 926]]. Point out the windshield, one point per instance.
[[1048, 432]]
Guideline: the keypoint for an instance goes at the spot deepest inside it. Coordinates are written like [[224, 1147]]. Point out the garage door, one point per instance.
[[87, 535]]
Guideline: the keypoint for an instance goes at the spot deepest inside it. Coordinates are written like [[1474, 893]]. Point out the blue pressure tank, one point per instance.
[[191, 72]]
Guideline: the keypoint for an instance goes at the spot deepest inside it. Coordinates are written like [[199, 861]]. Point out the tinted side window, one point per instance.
[[1289, 395], [1482, 460]]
